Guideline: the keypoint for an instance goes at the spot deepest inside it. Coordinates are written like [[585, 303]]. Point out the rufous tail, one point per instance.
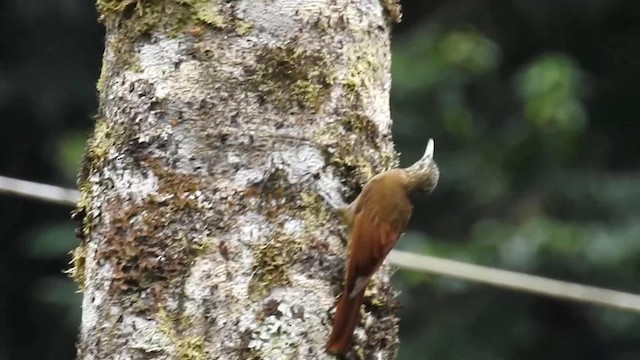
[[344, 323]]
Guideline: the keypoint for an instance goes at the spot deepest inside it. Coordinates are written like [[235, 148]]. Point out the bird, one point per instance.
[[376, 219]]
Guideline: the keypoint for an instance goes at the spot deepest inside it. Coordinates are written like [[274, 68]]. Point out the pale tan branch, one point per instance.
[[44, 192], [516, 281]]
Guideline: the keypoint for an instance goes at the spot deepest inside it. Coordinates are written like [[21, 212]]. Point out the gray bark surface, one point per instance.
[[227, 134]]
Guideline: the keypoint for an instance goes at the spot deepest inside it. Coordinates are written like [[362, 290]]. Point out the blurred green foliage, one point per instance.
[[52, 241], [533, 108], [525, 185], [70, 149], [550, 88]]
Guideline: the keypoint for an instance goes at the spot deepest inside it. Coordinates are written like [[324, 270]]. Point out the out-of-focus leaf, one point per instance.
[[469, 50], [70, 149], [551, 88], [62, 292], [52, 242]]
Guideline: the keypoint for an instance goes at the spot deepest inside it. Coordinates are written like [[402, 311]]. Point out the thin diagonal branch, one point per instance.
[[516, 281], [38, 191]]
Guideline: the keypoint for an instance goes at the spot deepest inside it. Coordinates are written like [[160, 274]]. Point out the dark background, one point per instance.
[[534, 107]]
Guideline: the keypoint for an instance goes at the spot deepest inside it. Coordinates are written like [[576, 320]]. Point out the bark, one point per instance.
[[227, 134]]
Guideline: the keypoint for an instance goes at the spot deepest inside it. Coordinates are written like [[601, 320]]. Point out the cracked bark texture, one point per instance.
[[227, 134]]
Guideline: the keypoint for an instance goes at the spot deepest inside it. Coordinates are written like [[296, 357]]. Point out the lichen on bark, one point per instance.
[[223, 146], [290, 76]]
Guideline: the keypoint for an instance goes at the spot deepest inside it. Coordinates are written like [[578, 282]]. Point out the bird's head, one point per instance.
[[424, 174]]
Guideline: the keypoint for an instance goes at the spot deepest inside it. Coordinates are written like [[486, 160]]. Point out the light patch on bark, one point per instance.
[[286, 331], [252, 228], [129, 184], [148, 338], [329, 189], [245, 177], [303, 161]]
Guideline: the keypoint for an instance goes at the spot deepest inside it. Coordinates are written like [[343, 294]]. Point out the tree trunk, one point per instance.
[[228, 132]]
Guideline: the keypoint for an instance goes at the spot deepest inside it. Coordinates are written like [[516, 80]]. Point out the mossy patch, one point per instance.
[[272, 263], [361, 125], [354, 170], [208, 12], [101, 79], [141, 247], [380, 303], [104, 138], [289, 76], [280, 197], [363, 70], [276, 195], [354, 130], [172, 15], [393, 9], [145, 245], [219, 15], [186, 347], [77, 269], [81, 213], [282, 202], [314, 212], [134, 18], [352, 166], [170, 182]]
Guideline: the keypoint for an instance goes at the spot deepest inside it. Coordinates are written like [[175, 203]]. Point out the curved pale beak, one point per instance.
[[428, 154]]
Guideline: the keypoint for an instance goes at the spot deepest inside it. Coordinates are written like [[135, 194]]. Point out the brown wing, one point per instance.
[[381, 214]]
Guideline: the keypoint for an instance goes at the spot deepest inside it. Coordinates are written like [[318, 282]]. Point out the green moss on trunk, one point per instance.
[[289, 76], [128, 20]]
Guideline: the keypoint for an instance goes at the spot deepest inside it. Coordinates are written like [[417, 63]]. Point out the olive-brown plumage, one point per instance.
[[376, 219]]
